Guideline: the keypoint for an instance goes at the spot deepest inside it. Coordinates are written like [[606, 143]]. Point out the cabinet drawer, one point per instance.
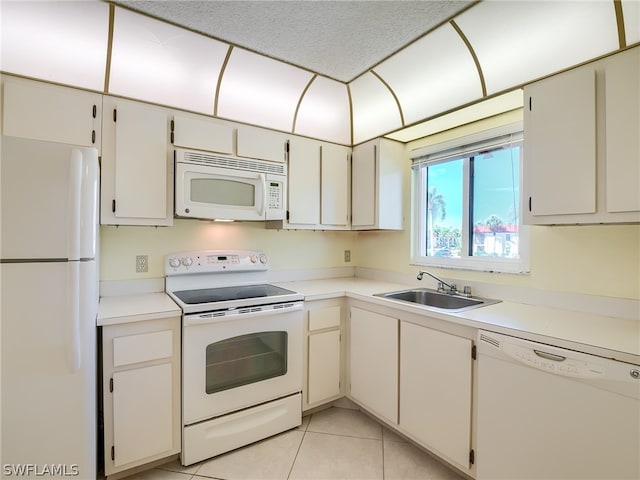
[[324, 318], [142, 348]]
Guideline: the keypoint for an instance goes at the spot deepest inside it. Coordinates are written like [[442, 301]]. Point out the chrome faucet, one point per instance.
[[441, 283]]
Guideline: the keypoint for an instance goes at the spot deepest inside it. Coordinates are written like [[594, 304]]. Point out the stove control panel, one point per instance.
[[213, 261]]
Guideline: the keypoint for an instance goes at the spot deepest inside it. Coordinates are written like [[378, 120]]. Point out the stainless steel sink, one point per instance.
[[437, 300]]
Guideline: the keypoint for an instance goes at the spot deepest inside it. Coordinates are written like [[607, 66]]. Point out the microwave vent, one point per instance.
[[235, 162]]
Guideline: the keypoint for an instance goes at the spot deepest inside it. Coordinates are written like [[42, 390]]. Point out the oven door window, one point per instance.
[[245, 359]]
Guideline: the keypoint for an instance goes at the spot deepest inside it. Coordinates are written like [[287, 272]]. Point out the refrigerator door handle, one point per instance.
[[74, 203], [73, 302]]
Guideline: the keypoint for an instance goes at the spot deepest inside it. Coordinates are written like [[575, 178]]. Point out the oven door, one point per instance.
[[219, 193], [241, 359]]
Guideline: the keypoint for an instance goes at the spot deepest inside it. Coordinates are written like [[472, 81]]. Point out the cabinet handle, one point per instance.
[[113, 205], [93, 136], [530, 103], [529, 203], [114, 115], [94, 111]]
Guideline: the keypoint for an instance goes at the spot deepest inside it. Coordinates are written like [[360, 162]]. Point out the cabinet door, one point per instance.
[[202, 134], [261, 143], [363, 194], [622, 127], [373, 347], [137, 174], [50, 113], [304, 182], [559, 144], [324, 366], [435, 390], [142, 413], [377, 171], [335, 181]]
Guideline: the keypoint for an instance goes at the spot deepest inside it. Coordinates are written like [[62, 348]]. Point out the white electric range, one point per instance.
[[241, 350]]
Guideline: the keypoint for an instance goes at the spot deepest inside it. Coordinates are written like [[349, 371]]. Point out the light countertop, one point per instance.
[[136, 308], [600, 335], [609, 337]]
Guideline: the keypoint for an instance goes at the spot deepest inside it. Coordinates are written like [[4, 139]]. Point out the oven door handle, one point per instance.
[[195, 319]]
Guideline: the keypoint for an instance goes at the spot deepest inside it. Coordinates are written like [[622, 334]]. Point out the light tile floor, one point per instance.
[[334, 444]]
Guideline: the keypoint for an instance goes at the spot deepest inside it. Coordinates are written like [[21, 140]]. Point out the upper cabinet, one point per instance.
[[202, 133], [560, 143], [377, 173], [304, 182], [319, 185], [581, 144], [137, 165], [254, 142], [50, 113], [622, 131], [335, 186]]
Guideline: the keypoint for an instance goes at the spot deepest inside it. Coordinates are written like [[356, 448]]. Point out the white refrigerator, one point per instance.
[[49, 302]]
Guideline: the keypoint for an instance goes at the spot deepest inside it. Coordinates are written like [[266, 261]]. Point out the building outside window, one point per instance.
[[466, 202]]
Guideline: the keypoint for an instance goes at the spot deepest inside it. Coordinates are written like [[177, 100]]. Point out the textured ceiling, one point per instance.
[[337, 39]]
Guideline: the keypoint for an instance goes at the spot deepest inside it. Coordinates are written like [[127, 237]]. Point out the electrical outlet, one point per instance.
[[347, 255], [142, 263]]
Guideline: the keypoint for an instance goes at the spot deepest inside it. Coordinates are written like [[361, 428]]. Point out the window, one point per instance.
[[466, 200]]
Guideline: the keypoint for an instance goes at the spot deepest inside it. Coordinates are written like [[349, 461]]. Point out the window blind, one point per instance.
[[469, 145]]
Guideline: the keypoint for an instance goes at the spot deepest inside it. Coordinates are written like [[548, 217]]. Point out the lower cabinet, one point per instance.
[[141, 392], [323, 353], [373, 350], [436, 391]]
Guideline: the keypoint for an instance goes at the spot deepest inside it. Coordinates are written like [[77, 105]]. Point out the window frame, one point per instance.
[[446, 151]]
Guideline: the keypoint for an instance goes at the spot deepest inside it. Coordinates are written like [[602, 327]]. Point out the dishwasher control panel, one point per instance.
[[546, 359]]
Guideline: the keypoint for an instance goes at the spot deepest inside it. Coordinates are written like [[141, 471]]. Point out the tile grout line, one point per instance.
[[304, 434], [343, 435]]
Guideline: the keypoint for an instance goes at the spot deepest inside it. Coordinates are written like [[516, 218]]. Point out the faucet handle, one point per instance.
[[454, 288], [440, 287]]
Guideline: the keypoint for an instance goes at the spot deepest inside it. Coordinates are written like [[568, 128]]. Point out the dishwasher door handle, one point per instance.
[[549, 356]]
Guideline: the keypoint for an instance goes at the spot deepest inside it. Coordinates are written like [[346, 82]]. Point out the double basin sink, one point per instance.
[[434, 299]]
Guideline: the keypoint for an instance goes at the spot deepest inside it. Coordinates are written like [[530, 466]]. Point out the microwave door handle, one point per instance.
[[263, 197]]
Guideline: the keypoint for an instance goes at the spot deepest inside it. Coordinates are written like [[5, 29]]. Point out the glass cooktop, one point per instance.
[[224, 294]]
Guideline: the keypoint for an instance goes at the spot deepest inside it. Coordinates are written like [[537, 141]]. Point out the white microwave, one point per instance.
[[217, 187]]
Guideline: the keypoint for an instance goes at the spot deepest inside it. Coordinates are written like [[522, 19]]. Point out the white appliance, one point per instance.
[[551, 413], [49, 288], [216, 187], [241, 351]]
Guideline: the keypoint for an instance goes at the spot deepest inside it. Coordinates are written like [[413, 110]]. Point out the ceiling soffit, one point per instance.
[[67, 42], [161, 63], [325, 107], [488, 49], [497, 46], [333, 38], [261, 90]]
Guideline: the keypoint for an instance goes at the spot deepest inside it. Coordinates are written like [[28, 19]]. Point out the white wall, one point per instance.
[[288, 250]]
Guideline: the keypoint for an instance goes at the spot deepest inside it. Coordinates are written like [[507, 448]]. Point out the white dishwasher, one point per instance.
[[551, 413]]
